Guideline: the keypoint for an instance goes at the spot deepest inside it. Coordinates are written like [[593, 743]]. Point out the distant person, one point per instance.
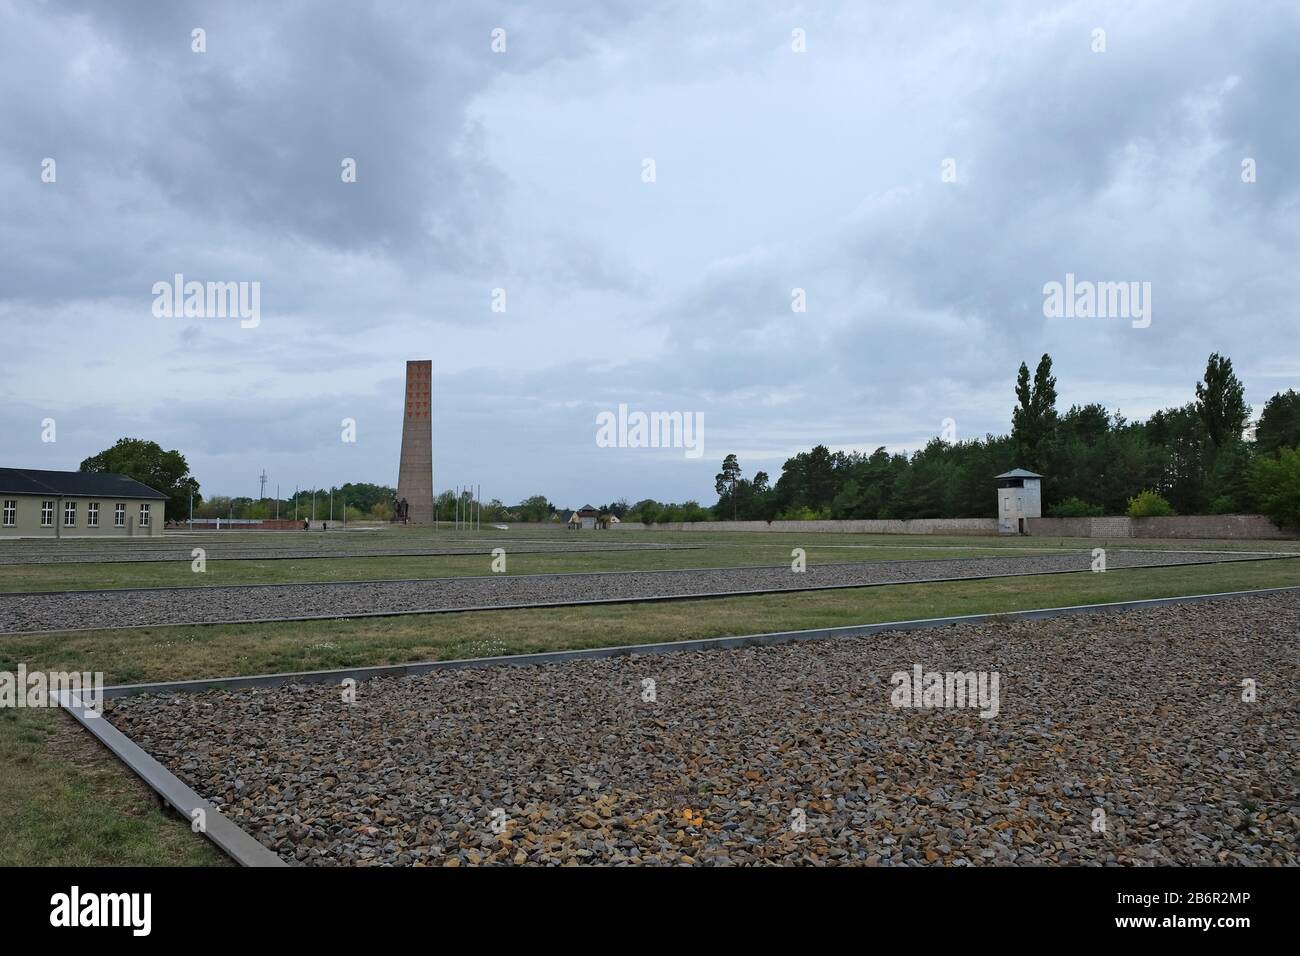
[[305, 524], [324, 526]]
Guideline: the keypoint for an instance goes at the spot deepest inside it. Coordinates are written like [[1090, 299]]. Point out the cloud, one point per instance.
[[775, 171]]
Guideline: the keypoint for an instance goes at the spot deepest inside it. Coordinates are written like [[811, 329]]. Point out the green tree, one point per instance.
[[1229, 484], [725, 483], [1074, 508], [810, 478], [1279, 423], [1277, 487], [444, 506], [218, 506], [1034, 418], [365, 497], [760, 502], [647, 510], [536, 508], [920, 491], [1189, 456], [1180, 442], [147, 463], [1221, 402], [728, 476]]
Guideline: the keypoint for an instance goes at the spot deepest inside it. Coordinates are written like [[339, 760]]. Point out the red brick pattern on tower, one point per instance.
[[415, 470]]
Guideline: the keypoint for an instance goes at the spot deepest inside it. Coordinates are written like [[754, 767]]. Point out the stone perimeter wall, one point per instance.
[[862, 526], [1182, 526]]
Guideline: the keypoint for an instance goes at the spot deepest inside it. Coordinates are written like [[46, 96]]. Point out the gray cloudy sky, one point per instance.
[[523, 170]]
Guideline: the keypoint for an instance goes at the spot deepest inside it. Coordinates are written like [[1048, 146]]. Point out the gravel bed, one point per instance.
[[218, 551], [57, 611], [1138, 715]]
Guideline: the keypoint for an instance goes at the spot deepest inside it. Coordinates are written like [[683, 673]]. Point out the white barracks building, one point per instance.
[[77, 504]]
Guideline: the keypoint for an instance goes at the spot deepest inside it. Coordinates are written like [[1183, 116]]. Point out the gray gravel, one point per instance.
[[218, 550], [1138, 715], [57, 611]]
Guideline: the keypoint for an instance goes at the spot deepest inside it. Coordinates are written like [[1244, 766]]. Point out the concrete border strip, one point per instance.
[[665, 647], [229, 838], [590, 602]]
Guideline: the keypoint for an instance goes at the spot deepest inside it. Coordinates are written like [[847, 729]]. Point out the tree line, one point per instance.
[[168, 471], [1198, 458]]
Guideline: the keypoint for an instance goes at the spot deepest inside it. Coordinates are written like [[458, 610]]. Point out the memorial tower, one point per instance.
[[415, 470]]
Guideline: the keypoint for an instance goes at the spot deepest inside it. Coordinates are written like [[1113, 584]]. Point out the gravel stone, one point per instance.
[[318, 547], [205, 605], [1131, 713]]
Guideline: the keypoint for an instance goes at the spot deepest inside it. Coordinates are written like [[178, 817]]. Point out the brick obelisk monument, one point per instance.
[[415, 472]]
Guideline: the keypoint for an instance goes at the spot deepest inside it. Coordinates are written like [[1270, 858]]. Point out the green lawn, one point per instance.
[[66, 801], [708, 549], [175, 653], [179, 573], [487, 538]]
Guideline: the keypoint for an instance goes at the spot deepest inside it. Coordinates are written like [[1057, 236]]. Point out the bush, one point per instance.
[[1224, 505], [1149, 504], [687, 511], [802, 513], [1276, 484], [1074, 508], [654, 512], [646, 515]]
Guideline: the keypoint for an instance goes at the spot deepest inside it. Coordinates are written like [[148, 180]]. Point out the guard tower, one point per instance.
[[1020, 496]]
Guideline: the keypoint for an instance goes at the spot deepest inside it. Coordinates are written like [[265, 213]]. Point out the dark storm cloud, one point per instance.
[[245, 141]]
